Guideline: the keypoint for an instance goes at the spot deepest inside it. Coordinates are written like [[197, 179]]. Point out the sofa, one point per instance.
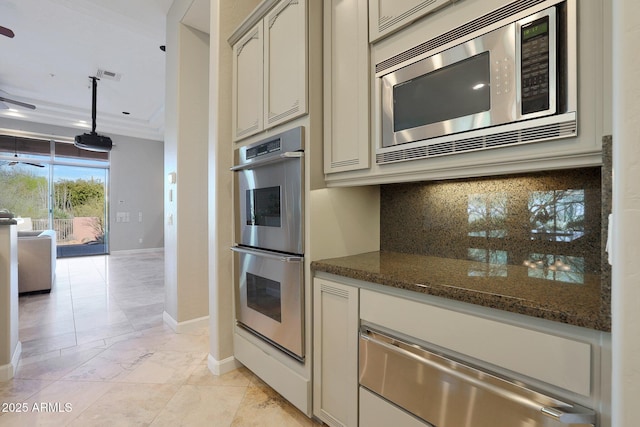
[[36, 261]]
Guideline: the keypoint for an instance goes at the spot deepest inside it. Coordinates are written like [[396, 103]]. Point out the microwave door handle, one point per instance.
[[265, 254], [283, 156]]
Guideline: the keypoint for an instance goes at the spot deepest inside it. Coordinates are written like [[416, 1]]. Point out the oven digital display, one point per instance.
[[535, 30], [263, 207], [262, 149]]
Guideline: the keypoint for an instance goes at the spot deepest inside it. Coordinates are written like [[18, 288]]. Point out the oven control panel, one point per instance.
[[263, 148]]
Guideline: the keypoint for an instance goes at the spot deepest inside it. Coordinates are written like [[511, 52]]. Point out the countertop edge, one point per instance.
[[471, 296]]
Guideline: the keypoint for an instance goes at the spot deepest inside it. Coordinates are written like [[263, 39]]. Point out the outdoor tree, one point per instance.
[[25, 193]]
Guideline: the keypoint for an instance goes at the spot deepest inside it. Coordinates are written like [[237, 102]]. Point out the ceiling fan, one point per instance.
[[4, 98], [15, 155], [6, 32]]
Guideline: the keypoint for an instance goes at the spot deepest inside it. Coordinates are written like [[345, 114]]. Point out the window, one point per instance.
[[54, 185]]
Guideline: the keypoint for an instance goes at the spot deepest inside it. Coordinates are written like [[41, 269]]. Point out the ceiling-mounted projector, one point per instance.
[[92, 141]]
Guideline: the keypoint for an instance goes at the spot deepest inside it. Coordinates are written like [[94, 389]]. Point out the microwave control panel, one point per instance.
[[535, 66]]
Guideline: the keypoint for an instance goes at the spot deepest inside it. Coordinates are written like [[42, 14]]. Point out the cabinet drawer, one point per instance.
[[377, 412], [556, 360]]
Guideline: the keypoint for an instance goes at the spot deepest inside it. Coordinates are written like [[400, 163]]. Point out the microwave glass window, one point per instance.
[[263, 296], [457, 90], [263, 207]]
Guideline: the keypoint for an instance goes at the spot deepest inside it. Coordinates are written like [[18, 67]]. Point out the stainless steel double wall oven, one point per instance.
[[269, 289]]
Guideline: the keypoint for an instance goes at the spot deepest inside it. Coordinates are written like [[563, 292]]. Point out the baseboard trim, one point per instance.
[[186, 326], [8, 371], [221, 367]]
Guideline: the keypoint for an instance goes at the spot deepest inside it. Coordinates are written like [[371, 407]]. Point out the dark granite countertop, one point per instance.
[[508, 287]]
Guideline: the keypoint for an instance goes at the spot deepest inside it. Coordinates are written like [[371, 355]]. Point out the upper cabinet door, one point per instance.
[[346, 86], [387, 16], [248, 83], [285, 68]]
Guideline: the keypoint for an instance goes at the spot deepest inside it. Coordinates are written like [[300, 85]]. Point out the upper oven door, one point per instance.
[[270, 194]]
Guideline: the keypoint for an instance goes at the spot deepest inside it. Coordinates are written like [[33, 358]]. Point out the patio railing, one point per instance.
[[63, 227]]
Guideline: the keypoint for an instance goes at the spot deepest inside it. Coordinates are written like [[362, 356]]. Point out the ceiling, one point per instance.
[[59, 44]]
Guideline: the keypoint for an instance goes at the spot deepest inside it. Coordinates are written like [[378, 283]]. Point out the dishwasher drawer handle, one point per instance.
[[568, 417]]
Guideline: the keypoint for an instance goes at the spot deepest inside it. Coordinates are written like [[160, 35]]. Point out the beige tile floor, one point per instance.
[[96, 353]]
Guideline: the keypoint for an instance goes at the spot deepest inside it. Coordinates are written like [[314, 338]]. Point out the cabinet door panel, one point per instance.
[[248, 83], [285, 93], [335, 326], [346, 62], [390, 15]]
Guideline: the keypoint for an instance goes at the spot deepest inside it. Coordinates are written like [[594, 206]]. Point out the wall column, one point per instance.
[[626, 214], [186, 207]]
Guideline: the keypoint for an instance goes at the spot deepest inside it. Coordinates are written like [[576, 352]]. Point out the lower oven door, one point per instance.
[[270, 297]]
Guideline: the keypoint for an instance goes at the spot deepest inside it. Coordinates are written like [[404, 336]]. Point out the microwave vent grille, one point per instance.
[[458, 33], [485, 142]]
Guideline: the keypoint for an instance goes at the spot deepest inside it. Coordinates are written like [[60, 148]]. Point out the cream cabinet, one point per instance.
[[335, 353], [346, 86], [10, 346], [248, 83], [565, 361], [387, 16], [378, 412], [270, 70]]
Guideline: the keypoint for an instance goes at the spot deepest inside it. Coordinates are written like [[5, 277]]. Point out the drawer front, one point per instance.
[[377, 412], [559, 361]]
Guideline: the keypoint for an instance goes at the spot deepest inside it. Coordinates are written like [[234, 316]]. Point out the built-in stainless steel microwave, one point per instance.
[[506, 78]]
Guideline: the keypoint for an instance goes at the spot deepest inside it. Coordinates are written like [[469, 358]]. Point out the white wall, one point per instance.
[[136, 177], [626, 214], [136, 186]]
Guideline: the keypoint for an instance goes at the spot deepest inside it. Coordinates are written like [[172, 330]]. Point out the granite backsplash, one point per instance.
[[531, 244], [540, 217]]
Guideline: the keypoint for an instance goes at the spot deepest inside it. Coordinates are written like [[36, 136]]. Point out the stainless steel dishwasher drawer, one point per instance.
[[446, 393]]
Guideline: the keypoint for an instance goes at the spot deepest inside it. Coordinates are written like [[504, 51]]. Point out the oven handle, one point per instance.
[[267, 254], [284, 156]]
